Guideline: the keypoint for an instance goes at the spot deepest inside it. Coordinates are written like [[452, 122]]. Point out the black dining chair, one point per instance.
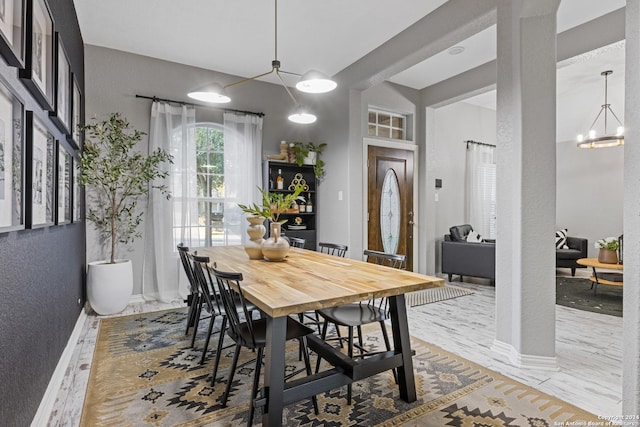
[[251, 333], [213, 305], [332, 249], [194, 300], [363, 313], [297, 242]]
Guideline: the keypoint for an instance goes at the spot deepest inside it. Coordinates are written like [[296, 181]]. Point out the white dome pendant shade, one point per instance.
[[214, 93], [314, 81], [302, 116]]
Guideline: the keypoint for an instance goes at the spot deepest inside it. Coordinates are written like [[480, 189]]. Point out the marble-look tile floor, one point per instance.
[[588, 348]]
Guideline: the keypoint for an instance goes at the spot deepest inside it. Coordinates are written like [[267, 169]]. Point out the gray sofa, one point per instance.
[[465, 258], [566, 258]]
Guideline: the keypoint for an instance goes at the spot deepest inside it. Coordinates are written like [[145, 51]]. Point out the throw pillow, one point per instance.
[[474, 237], [561, 239]]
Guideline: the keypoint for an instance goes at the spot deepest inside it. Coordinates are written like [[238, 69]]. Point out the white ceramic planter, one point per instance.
[[310, 159], [109, 286]]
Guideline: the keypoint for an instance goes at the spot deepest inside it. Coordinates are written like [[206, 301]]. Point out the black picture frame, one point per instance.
[[76, 113], [40, 173], [12, 23], [76, 194], [61, 114], [12, 161], [38, 72], [63, 187]]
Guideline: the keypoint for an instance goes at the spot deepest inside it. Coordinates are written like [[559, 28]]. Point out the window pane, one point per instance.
[[372, 130], [384, 132], [372, 117], [384, 119], [397, 134], [216, 163], [397, 122]]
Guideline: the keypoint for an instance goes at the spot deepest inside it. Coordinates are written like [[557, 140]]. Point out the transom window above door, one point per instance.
[[385, 124]]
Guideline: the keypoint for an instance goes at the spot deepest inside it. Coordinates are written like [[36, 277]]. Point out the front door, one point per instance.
[[390, 201]]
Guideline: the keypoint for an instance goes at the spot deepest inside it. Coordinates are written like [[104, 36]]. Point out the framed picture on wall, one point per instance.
[[38, 72], [12, 159], [40, 173], [61, 114], [76, 196], [76, 115], [63, 193], [12, 17]]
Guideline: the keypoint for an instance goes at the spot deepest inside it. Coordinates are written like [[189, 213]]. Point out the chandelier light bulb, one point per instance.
[[592, 134], [620, 131], [580, 138]]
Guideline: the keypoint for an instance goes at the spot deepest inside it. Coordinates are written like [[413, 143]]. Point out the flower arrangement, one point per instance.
[[610, 243]]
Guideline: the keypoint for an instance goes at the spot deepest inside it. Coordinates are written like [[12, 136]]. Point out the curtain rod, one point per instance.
[[155, 98], [476, 142]]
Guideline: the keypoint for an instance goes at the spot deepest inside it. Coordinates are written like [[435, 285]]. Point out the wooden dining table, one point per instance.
[[308, 280]]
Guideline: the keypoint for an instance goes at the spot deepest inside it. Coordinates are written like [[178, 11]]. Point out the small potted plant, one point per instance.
[[116, 177], [309, 154], [608, 248], [273, 204]]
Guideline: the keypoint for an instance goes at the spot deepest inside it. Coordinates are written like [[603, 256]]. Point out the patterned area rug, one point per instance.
[[428, 296], [144, 374]]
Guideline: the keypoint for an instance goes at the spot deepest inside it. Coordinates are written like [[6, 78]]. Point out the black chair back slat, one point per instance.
[[333, 249], [231, 294], [297, 242], [390, 260], [183, 251]]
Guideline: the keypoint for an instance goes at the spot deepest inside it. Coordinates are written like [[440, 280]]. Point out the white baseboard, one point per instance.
[[49, 399], [525, 361]]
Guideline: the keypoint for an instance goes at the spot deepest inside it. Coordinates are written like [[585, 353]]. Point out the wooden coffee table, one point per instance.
[[607, 278]]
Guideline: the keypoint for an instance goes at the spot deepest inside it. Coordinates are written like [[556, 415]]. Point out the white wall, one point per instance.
[[454, 124], [589, 191]]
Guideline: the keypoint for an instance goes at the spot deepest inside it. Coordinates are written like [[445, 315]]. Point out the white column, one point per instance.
[[631, 292], [526, 182]]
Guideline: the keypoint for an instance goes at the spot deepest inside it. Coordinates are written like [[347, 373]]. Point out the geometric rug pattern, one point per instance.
[[144, 374]]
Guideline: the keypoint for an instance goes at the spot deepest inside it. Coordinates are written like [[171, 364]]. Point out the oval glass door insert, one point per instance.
[[390, 212]]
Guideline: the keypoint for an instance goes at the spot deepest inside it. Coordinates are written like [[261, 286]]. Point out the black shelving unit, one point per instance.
[[308, 219]]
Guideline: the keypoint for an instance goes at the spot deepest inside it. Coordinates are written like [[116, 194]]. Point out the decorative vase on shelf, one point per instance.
[[607, 256], [275, 248], [256, 231]]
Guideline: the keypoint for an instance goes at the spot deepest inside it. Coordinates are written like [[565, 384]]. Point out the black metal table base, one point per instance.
[[277, 394]]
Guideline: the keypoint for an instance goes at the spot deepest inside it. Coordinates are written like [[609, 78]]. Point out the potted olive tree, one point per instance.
[[116, 177]]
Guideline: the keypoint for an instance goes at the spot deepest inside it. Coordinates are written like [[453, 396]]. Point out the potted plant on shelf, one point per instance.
[[275, 248], [309, 154], [608, 248], [116, 177]]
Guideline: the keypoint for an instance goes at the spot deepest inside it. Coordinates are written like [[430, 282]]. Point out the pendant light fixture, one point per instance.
[[592, 140], [311, 82]]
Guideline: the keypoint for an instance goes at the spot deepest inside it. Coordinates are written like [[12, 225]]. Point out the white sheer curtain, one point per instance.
[[480, 189], [168, 222], [242, 170]]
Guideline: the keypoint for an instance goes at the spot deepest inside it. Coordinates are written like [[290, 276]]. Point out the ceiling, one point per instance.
[[237, 37]]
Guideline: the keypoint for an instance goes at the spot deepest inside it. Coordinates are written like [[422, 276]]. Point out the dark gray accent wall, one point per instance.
[[41, 271]]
